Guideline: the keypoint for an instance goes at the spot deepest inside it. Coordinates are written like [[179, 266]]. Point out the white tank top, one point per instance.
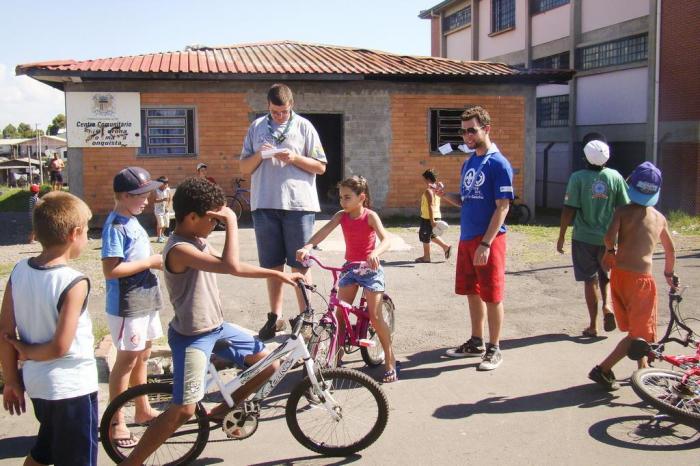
[[38, 294]]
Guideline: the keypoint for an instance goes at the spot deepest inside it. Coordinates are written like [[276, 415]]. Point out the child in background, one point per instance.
[[429, 215], [636, 228], [191, 266], [360, 227], [33, 199], [160, 208], [45, 303], [133, 298]]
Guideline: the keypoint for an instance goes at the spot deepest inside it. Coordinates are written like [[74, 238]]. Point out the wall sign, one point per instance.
[[103, 119]]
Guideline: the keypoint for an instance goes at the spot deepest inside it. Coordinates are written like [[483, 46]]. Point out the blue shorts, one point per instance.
[[370, 280], [279, 233], [191, 357], [67, 430]]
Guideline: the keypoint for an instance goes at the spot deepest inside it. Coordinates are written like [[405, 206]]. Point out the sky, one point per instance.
[[37, 30]]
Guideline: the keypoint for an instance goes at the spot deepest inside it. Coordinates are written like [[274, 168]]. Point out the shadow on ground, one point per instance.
[[646, 432]]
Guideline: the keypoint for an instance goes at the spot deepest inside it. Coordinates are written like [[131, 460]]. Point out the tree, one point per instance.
[[10, 132], [58, 123], [25, 131]]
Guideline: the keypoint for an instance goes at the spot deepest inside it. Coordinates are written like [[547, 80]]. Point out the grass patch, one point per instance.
[[683, 223], [17, 199]]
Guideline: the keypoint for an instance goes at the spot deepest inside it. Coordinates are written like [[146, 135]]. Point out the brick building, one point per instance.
[[636, 65], [379, 114]]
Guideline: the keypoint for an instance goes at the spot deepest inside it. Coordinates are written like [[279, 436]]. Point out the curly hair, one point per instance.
[[197, 195], [358, 185], [477, 112]]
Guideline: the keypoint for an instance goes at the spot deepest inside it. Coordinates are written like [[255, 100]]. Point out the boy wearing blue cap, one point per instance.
[[636, 228]]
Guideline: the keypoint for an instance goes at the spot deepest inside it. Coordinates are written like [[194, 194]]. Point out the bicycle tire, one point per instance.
[[357, 396], [319, 346], [663, 390], [236, 206], [182, 447], [523, 214], [374, 356]]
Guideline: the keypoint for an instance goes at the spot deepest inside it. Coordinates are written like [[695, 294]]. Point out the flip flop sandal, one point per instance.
[[590, 334], [448, 252], [609, 322], [126, 442], [421, 260], [390, 376]]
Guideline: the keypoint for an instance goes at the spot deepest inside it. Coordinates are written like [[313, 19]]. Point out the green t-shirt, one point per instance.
[[596, 195]]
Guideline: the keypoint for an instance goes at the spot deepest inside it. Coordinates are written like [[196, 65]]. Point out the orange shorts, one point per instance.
[[634, 303]]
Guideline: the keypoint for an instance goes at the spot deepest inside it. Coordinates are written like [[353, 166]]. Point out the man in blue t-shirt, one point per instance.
[[485, 193]]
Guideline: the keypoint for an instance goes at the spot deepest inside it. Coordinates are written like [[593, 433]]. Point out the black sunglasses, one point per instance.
[[472, 131]]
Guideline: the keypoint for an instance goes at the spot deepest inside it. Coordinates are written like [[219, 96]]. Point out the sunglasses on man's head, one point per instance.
[[472, 131]]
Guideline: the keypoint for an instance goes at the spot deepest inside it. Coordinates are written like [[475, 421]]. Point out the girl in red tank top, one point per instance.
[[361, 227]]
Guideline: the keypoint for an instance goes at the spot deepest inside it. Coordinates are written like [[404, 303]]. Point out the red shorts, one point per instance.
[[488, 281], [634, 303]]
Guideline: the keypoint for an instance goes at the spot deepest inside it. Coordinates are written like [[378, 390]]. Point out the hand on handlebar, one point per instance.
[[292, 278], [303, 255]]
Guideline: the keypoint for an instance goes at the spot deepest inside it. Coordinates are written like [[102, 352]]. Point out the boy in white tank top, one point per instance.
[[49, 312]]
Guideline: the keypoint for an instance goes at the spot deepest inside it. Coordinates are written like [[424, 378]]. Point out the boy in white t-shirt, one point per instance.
[[49, 314], [160, 208]]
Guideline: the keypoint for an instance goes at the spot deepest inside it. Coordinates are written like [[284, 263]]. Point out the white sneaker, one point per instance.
[[492, 359]]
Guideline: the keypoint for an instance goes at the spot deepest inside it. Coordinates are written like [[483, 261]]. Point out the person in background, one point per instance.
[[160, 208], [56, 172], [33, 199], [202, 172], [429, 215]]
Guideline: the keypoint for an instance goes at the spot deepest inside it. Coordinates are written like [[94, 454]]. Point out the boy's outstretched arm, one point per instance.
[[12, 394], [319, 236], [669, 252], [384, 237], [73, 305], [610, 240]]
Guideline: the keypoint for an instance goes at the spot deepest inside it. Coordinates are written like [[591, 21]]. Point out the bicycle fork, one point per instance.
[[327, 400]]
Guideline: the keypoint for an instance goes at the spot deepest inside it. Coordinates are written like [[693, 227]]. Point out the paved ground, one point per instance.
[[537, 408]]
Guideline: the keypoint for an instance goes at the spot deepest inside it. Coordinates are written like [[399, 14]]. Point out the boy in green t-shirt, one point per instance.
[[592, 195]]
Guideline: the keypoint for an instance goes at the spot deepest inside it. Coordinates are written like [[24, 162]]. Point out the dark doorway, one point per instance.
[[330, 130]]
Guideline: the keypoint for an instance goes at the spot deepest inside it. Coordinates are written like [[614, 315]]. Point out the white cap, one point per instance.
[[201, 165], [597, 152]]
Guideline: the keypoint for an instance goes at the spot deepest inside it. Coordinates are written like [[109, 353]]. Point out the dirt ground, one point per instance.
[[534, 399]]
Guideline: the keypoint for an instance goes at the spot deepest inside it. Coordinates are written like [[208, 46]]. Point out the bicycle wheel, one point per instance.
[[523, 214], [358, 400], [319, 346], [183, 446], [664, 391], [236, 206], [374, 355]]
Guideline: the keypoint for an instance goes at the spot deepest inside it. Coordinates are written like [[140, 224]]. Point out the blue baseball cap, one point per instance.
[[644, 184], [134, 180]]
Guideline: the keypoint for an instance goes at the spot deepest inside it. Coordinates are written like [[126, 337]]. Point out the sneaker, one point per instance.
[[160, 239], [466, 350], [271, 327], [607, 381], [492, 359]]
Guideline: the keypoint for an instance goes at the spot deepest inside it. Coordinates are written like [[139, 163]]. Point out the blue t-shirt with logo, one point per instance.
[[137, 294], [495, 181]]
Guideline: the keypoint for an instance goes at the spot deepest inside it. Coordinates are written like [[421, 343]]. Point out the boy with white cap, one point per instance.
[[592, 195], [636, 228]]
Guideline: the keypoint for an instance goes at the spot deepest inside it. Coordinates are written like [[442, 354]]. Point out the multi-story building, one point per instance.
[[614, 46]]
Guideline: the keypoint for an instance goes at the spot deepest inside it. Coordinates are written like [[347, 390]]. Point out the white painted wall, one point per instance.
[[459, 44], [507, 42], [550, 25], [616, 97], [547, 90], [596, 14]]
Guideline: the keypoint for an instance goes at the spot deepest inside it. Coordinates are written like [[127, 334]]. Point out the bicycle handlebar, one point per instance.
[[344, 268]]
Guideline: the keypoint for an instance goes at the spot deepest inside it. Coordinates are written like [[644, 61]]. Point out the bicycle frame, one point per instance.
[[294, 348]]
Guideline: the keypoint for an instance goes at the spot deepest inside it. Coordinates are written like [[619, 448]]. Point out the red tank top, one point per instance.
[[359, 236]]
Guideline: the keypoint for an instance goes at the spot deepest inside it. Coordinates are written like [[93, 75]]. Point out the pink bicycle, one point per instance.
[[325, 340]]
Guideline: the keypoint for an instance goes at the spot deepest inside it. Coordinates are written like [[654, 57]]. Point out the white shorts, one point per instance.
[[162, 220], [132, 333]]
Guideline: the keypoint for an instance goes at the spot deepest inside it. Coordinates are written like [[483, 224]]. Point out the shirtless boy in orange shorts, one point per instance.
[[636, 228]]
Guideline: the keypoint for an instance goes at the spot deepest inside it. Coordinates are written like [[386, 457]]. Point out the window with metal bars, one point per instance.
[[559, 61], [502, 15], [540, 6], [615, 52], [457, 19], [553, 111], [167, 131], [444, 127]]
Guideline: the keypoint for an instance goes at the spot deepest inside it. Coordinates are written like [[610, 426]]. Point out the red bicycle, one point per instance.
[[675, 393], [325, 340]]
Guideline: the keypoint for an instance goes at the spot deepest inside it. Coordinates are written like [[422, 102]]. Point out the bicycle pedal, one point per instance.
[[365, 343]]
